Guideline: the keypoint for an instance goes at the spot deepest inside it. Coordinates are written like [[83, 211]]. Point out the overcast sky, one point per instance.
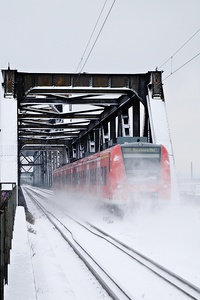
[[139, 35]]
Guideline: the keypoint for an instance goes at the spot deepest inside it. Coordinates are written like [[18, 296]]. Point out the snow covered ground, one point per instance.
[[168, 234]]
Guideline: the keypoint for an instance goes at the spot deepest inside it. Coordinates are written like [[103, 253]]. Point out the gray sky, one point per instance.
[[139, 35]]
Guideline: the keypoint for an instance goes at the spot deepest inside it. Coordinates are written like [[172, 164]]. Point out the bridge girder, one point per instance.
[[78, 112]]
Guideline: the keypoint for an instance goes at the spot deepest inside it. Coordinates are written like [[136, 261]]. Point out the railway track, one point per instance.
[[102, 277], [175, 280], [153, 272]]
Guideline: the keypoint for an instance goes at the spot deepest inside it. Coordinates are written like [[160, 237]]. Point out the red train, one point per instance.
[[119, 174]]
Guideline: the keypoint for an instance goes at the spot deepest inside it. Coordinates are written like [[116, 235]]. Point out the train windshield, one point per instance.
[[142, 164]]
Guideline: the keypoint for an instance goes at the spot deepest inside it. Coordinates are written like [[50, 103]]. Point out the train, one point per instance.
[[119, 174]]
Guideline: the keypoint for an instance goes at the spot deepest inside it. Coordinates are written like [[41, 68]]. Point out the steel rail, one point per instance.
[[175, 280], [108, 283]]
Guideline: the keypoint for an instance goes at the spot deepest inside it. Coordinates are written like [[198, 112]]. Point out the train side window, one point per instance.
[[63, 178], [93, 176], [98, 176], [80, 177], [69, 178], [87, 173], [75, 177], [103, 175], [59, 179], [84, 177]]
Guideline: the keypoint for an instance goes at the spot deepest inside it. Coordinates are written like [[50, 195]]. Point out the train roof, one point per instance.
[[140, 144], [108, 150]]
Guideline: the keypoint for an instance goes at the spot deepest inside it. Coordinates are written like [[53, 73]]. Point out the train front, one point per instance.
[[147, 171]]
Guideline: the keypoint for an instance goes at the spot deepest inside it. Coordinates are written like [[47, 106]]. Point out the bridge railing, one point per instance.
[[8, 194], [190, 190]]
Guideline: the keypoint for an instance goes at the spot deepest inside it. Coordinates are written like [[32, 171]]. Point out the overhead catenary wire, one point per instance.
[[171, 57], [91, 35], [187, 62], [98, 36]]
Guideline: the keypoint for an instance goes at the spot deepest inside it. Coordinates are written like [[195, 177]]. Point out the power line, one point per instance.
[[170, 58], [187, 62], [98, 35], [91, 35]]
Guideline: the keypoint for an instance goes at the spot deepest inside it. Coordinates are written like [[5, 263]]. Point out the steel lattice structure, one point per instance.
[[63, 117]]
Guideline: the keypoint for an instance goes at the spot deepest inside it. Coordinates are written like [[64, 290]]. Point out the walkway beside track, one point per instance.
[[20, 273]]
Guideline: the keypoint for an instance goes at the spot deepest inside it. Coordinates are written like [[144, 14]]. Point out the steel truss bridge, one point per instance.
[[64, 117]]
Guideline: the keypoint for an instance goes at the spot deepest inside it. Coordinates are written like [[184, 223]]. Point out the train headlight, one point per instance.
[[119, 186], [165, 186]]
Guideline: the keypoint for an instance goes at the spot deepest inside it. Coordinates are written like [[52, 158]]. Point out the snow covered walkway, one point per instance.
[[20, 273], [44, 267]]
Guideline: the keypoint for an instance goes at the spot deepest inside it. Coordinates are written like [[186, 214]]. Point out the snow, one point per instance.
[[167, 233], [161, 131], [53, 266], [21, 280]]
